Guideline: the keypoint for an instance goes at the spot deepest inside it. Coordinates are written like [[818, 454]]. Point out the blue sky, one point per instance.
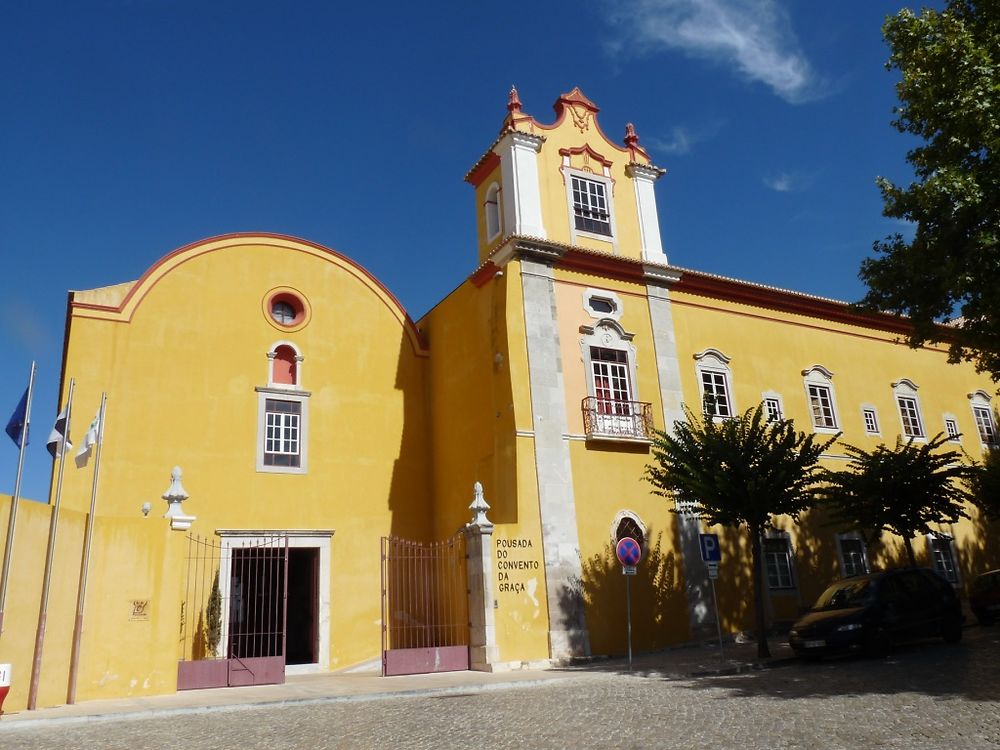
[[132, 127]]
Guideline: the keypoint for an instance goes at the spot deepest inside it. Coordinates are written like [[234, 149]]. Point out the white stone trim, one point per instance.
[[522, 201], [944, 421], [819, 375], [622, 515], [930, 539], [644, 180], [713, 360], [908, 389], [309, 538], [591, 293], [982, 400], [878, 420], [283, 394], [608, 334]]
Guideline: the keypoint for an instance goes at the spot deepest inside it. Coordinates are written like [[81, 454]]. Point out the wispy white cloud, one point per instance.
[[20, 323], [754, 36], [782, 182], [680, 140]]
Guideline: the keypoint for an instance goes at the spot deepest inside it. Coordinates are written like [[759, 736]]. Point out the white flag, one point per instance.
[[54, 443], [89, 441]]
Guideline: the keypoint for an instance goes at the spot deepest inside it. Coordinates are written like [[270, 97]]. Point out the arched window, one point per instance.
[[910, 419], [628, 524], [818, 382], [982, 413], [714, 380], [284, 366], [492, 207]]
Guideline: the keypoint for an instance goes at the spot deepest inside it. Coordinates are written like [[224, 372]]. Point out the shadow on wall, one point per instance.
[[659, 606]]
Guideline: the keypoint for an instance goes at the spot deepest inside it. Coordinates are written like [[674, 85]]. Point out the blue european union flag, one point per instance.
[[15, 426]]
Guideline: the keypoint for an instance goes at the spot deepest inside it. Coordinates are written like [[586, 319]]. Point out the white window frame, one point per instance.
[[953, 420], [820, 377], [607, 333], [905, 389], [775, 398], [609, 191], [981, 405], [282, 394], [493, 217], [606, 295], [852, 537], [793, 583], [870, 409], [949, 543], [713, 362]]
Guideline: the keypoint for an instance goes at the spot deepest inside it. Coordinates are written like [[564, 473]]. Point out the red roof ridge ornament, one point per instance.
[[631, 137], [513, 101], [574, 97]]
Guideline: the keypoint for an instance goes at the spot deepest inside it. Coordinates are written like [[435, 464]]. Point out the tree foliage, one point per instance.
[[949, 98], [907, 490], [984, 483], [738, 472]]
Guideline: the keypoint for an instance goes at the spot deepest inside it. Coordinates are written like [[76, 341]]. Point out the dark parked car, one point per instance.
[[985, 597], [869, 613]]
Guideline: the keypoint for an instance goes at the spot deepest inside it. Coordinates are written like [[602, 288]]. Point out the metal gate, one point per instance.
[[234, 613], [425, 606]]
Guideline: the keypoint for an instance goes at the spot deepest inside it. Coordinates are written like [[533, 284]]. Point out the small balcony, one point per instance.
[[624, 421]]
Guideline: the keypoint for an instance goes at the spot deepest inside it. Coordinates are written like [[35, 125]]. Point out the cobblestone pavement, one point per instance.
[[930, 695]]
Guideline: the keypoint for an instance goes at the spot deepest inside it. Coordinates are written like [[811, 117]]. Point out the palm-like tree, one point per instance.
[[739, 472], [905, 490]]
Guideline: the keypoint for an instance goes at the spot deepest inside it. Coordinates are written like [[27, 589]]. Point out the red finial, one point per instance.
[[513, 101], [631, 138]]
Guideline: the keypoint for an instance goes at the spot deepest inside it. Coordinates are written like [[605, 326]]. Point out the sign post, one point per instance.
[[629, 553], [711, 553]]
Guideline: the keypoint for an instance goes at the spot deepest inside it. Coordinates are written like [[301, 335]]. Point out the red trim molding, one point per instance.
[[482, 169], [585, 149]]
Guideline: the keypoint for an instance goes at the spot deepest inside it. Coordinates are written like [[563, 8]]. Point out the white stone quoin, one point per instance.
[[522, 200], [482, 625]]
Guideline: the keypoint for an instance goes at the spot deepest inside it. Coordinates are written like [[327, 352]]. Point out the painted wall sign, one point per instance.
[[513, 566]]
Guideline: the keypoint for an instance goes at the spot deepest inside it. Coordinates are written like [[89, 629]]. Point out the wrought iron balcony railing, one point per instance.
[[617, 420]]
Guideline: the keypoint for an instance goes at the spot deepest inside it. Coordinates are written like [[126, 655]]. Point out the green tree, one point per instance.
[[984, 485], [906, 490], [740, 473], [949, 98], [213, 617]]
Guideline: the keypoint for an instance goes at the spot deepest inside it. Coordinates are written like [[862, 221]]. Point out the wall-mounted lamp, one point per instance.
[[146, 507]]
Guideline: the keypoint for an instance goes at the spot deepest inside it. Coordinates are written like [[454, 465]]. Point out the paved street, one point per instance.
[[927, 696]]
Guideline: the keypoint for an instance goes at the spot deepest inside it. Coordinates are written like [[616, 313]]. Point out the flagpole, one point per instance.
[[8, 549], [36, 665], [81, 596]]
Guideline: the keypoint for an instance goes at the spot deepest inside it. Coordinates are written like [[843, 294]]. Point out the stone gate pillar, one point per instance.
[[482, 629]]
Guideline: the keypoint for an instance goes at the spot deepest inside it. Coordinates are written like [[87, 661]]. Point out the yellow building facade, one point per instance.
[[315, 421]]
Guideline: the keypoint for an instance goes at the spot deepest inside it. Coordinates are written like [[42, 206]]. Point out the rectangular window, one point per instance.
[[871, 421], [951, 427], [778, 561], [611, 386], [852, 553], [910, 416], [281, 432], [590, 206], [944, 559], [772, 409], [984, 421], [715, 395], [821, 402]]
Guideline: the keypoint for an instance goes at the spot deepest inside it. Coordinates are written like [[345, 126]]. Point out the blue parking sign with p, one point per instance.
[[710, 549]]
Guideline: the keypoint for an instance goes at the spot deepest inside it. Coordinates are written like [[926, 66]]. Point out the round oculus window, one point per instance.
[[283, 312], [286, 309]]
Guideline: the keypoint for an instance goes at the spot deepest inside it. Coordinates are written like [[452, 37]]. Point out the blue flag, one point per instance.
[[15, 426]]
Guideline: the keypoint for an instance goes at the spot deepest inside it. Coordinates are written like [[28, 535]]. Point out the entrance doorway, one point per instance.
[[302, 632]]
